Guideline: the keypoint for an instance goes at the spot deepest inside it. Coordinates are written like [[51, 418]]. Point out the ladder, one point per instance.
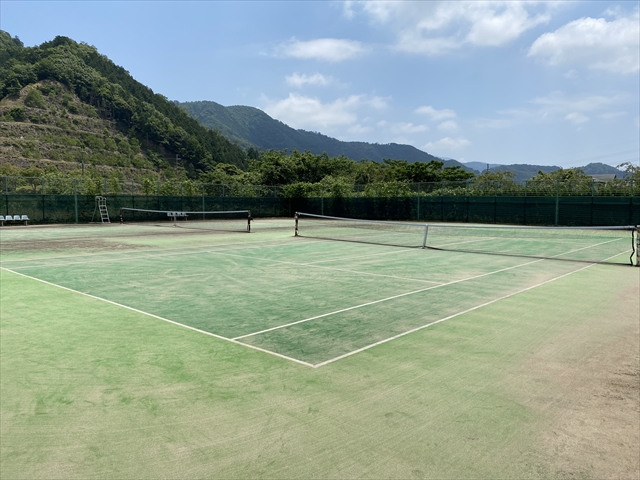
[[101, 203]]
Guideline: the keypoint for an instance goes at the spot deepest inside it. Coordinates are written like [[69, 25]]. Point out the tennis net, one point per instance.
[[232, 220], [617, 245]]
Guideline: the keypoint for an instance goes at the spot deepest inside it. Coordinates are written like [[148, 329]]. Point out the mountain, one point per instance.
[[600, 168], [251, 127], [479, 166], [63, 101], [523, 171]]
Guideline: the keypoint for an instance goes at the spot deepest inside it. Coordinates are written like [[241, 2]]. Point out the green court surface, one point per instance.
[[138, 351]]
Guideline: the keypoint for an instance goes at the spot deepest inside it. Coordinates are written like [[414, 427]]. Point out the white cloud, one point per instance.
[[497, 26], [448, 126], [492, 123], [301, 111], [435, 115], [571, 74], [446, 144], [358, 129], [439, 27], [297, 80], [379, 103], [325, 49], [558, 104], [611, 115], [576, 118], [305, 112], [596, 43], [407, 128]]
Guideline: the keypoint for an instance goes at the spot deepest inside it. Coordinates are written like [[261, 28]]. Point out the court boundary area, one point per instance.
[[236, 341]]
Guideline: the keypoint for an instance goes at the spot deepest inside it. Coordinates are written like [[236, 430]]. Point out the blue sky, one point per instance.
[[551, 83]]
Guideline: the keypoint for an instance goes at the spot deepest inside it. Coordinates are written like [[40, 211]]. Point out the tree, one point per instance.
[[492, 183], [572, 181], [34, 99], [632, 171]]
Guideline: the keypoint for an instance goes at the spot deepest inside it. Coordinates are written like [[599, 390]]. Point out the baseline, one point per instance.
[[340, 357], [126, 256], [219, 337]]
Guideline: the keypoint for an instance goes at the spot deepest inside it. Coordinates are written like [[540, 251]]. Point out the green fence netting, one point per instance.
[[516, 210]]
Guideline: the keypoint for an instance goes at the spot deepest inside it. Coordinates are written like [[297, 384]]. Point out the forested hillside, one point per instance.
[[251, 127], [64, 89], [65, 108]]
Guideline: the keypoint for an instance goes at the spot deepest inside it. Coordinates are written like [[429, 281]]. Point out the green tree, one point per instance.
[[494, 183], [571, 181], [149, 186], [35, 99], [632, 171]]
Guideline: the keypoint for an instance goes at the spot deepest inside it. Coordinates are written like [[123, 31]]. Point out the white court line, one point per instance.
[[386, 299], [422, 290], [161, 318], [132, 255], [543, 256], [317, 365], [396, 251], [327, 268]]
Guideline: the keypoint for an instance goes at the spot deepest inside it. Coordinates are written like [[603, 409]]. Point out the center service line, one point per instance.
[[385, 299]]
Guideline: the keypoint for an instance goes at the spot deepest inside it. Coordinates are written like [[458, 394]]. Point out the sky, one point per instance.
[[546, 83]]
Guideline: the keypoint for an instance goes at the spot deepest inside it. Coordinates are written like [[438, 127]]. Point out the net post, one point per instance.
[[426, 232], [296, 219], [121, 220], [249, 221]]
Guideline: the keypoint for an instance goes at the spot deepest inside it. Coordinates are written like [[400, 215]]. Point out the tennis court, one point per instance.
[[307, 302]]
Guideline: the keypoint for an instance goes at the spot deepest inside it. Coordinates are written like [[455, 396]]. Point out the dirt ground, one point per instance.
[[587, 381]]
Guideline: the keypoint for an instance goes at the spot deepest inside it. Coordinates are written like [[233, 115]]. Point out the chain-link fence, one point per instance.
[[474, 187], [69, 200]]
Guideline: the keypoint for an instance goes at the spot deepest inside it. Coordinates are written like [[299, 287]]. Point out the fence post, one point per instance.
[[631, 218], [466, 197], [202, 200], [75, 197], [495, 203], [418, 202], [441, 202], [557, 201]]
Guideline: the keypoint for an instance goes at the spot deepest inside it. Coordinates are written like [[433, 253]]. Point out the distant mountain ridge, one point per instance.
[[251, 127], [525, 172]]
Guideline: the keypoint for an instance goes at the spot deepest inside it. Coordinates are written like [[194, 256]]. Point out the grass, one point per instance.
[[92, 390]]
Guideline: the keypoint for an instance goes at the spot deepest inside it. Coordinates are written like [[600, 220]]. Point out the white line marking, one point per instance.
[[386, 299], [133, 255], [317, 365], [327, 268], [396, 251], [161, 318]]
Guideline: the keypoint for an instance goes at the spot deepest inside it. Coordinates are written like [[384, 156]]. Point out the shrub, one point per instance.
[[34, 99]]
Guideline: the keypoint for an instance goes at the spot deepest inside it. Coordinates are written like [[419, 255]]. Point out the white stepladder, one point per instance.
[[101, 208]]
